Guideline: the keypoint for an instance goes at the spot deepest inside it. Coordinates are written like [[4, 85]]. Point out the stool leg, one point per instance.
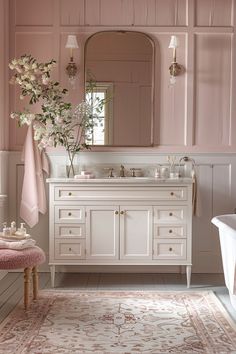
[[35, 283], [27, 273]]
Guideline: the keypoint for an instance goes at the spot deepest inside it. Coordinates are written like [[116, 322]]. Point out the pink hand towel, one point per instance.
[[33, 197]]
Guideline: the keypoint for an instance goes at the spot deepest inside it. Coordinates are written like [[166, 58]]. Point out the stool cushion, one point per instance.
[[28, 257]]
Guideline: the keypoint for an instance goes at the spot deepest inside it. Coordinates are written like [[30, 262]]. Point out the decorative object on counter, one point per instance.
[[165, 173], [57, 123], [173, 173], [188, 167], [84, 175], [175, 68], [157, 173], [71, 68], [72, 170]]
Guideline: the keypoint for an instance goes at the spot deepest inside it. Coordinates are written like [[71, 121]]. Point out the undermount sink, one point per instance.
[[129, 178], [126, 179]]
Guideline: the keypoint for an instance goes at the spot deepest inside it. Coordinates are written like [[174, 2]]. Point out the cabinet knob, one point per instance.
[[70, 249], [170, 249], [69, 193], [170, 231], [70, 231], [116, 212], [122, 212], [171, 193], [69, 214], [170, 214]]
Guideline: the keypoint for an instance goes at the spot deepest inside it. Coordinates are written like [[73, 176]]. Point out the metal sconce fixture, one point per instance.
[[71, 68], [175, 68]]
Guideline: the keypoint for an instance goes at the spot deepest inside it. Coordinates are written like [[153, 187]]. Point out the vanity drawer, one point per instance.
[[170, 214], [169, 249], [67, 230], [69, 249], [69, 214], [120, 192], [66, 193], [170, 231]]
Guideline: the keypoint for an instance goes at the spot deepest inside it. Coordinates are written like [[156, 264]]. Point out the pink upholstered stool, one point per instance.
[[28, 259]]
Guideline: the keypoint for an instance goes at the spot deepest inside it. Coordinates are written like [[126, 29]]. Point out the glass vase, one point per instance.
[[70, 170]]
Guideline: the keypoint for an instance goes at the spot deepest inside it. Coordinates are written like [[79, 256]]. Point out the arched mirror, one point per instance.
[[119, 70]]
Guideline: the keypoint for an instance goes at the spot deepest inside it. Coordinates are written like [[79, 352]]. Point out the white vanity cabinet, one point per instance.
[[120, 222]]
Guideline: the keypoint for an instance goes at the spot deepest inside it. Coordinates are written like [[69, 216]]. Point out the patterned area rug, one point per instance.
[[119, 322]]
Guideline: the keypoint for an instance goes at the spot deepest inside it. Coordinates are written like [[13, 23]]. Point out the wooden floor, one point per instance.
[[11, 286]]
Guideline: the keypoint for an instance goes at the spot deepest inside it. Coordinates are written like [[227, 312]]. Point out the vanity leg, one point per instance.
[[52, 270], [188, 274]]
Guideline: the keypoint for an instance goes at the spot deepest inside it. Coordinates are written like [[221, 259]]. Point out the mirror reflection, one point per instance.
[[119, 72]]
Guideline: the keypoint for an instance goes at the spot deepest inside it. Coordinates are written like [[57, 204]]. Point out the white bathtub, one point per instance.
[[227, 232]]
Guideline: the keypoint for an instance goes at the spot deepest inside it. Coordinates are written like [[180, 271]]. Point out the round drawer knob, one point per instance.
[[171, 193], [170, 231], [69, 214], [70, 249], [116, 212], [69, 193], [170, 249], [122, 212], [70, 231], [170, 214]]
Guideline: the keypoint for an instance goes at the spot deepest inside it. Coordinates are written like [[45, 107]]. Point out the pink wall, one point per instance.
[[198, 113]]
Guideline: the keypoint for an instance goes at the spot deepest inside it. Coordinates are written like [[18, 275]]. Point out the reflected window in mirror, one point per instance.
[[125, 60], [100, 94]]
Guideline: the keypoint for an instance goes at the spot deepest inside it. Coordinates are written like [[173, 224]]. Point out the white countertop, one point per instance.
[[122, 180]]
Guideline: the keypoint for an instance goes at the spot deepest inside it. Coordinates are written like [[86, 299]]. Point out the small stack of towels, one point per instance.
[[16, 242], [84, 175]]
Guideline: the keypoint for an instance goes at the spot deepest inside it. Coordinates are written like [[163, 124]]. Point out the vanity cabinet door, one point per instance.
[[135, 232], [102, 232]]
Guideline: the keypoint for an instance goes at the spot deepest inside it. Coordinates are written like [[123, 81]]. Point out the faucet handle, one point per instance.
[[133, 171], [110, 173]]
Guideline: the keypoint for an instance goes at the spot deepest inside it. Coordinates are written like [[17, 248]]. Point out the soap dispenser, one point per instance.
[[13, 227], [4, 229], [22, 228]]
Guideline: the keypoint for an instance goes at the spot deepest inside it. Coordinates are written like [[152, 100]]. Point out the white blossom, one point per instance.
[[54, 124]]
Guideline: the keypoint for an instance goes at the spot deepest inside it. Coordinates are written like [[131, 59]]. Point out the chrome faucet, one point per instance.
[[122, 171]]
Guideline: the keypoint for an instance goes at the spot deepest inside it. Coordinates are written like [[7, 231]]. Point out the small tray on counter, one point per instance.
[[14, 237]]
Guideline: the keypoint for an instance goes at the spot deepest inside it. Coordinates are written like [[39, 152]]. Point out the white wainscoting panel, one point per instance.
[[216, 177]]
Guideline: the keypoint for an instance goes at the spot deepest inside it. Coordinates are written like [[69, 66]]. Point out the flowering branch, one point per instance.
[[57, 123]]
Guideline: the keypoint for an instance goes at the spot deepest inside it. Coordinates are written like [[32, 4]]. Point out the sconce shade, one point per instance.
[[174, 42], [71, 42]]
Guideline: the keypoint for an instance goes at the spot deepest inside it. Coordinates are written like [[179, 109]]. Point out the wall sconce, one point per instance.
[[71, 68], [175, 68]]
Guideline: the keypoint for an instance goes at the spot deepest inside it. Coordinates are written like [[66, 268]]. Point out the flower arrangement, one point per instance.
[[56, 123]]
